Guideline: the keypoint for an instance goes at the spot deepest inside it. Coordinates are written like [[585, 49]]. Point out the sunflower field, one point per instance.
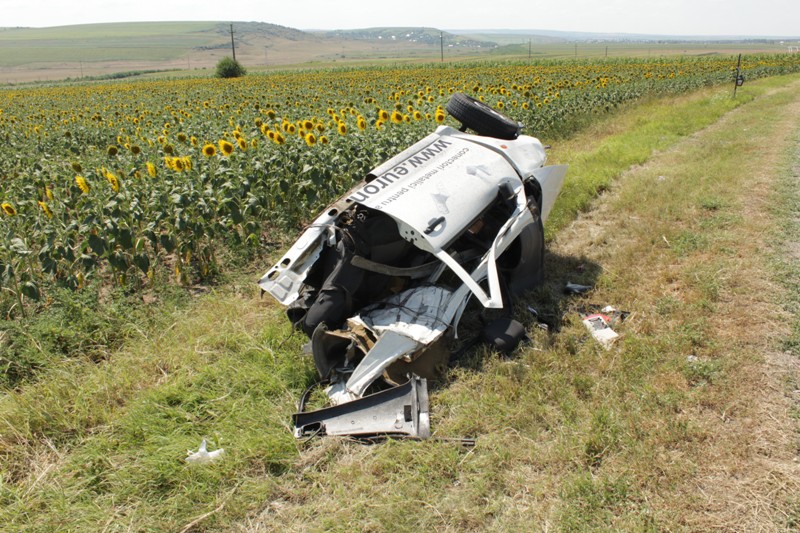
[[130, 181]]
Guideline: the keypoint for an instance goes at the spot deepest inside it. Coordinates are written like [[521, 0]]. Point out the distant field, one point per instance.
[[41, 54], [104, 42], [560, 50]]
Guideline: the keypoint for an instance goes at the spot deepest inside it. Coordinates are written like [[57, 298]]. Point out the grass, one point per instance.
[[786, 207], [617, 144], [667, 430], [784, 260]]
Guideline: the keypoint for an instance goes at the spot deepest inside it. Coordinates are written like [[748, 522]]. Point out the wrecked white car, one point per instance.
[[380, 280]]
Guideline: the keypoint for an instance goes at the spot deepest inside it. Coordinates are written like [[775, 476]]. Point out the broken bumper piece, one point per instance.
[[400, 411]]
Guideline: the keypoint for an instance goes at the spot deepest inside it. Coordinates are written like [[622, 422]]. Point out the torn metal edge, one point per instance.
[[399, 411]]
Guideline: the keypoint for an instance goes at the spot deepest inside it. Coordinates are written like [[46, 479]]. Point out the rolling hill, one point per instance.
[[117, 49]]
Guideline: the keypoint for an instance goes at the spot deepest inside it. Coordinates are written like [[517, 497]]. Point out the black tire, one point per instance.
[[481, 118]]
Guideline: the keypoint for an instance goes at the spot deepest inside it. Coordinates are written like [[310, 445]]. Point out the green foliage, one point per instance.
[[76, 325], [230, 68]]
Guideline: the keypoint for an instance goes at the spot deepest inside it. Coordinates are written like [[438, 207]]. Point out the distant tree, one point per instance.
[[230, 68]]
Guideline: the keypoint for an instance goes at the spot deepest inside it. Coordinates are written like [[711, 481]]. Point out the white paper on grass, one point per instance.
[[202, 455]]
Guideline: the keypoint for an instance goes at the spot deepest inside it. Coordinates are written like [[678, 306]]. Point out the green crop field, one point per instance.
[[101, 42]]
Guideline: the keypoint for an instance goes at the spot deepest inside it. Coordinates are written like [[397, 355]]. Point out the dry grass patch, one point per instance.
[[682, 242]]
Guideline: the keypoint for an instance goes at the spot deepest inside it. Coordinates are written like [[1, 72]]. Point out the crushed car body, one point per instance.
[[380, 280]]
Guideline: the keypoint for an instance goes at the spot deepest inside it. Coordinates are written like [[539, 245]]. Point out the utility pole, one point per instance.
[[441, 44], [233, 47]]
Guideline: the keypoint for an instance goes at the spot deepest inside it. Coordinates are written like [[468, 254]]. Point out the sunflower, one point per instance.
[[48, 192], [242, 142], [135, 149], [397, 117], [176, 163], [182, 137], [76, 166], [378, 124], [342, 128], [112, 179], [383, 115], [83, 185], [151, 169], [9, 209], [225, 147], [323, 139], [310, 139], [209, 150], [361, 123], [112, 150], [279, 138], [45, 209], [187, 162], [439, 116], [307, 124]]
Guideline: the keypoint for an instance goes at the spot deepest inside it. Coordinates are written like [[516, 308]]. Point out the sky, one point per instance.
[[777, 18]]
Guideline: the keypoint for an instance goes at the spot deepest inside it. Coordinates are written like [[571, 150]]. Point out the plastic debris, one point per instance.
[[574, 288], [202, 455], [598, 326], [539, 320], [615, 315]]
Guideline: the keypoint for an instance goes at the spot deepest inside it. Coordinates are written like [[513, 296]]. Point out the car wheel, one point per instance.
[[481, 118]]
